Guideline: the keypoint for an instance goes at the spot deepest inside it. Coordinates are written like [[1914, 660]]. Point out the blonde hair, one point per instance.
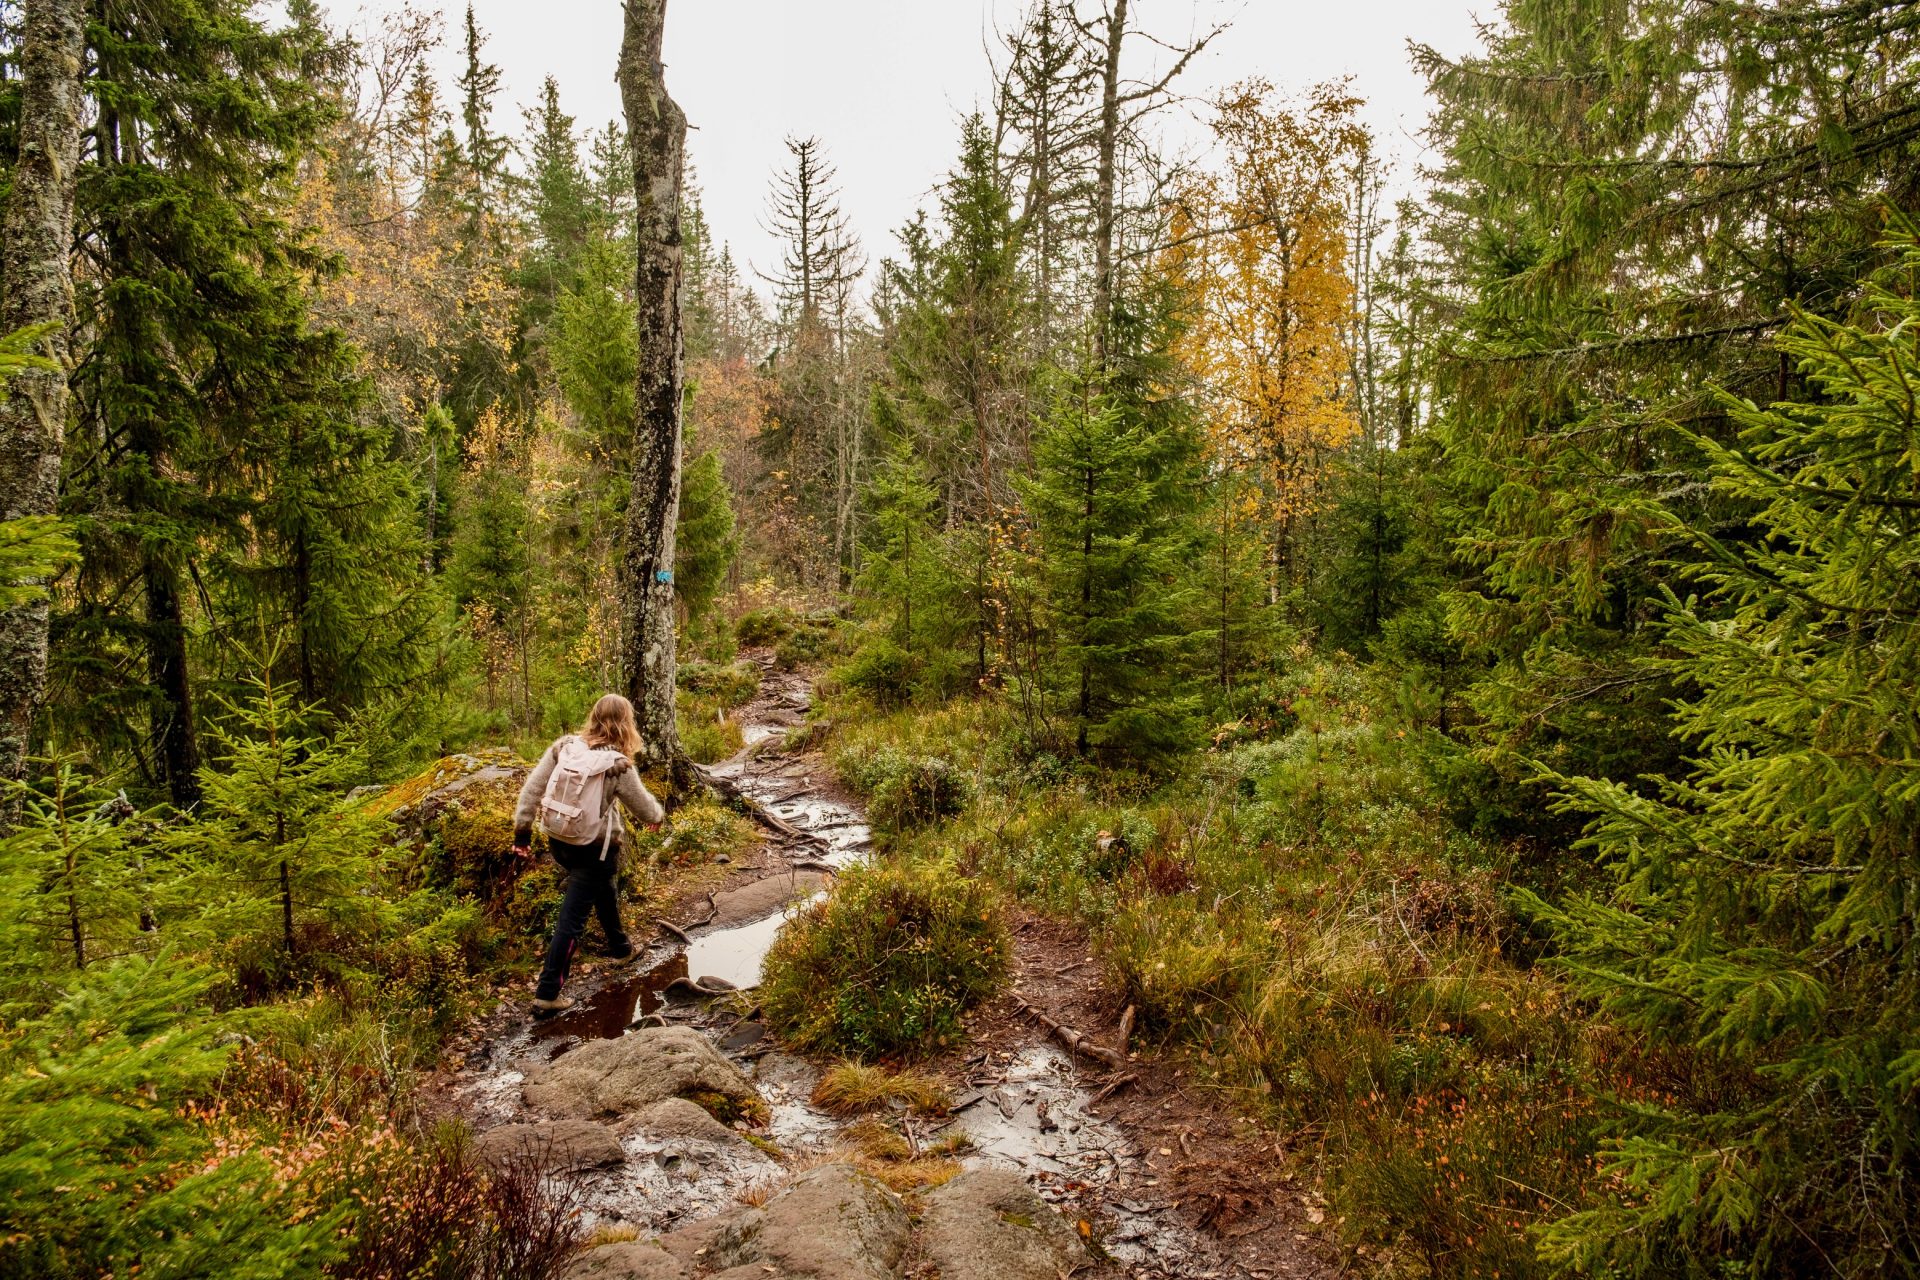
[[611, 724]]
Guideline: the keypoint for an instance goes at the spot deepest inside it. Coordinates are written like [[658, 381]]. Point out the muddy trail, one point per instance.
[[1074, 1165]]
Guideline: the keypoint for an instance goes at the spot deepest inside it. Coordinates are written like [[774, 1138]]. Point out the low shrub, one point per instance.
[[707, 733], [728, 685], [809, 642], [905, 791], [889, 962], [882, 671], [925, 790], [762, 627], [704, 829]]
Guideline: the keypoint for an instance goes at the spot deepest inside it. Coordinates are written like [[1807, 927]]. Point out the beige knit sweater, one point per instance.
[[627, 787]]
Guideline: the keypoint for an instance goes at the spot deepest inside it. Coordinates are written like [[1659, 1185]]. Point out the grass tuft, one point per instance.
[[851, 1088]]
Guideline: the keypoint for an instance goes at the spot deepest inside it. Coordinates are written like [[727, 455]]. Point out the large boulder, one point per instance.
[[554, 1146], [457, 816], [622, 1076], [988, 1224], [831, 1223]]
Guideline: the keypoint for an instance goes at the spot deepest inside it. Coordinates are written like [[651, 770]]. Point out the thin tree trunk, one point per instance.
[[38, 290], [1106, 181], [656, 132], [172, 716]]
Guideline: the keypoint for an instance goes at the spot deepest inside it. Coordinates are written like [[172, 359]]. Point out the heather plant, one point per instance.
[[888, 963]]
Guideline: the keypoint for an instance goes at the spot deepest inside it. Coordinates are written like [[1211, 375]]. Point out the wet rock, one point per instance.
[[555, 1146], [678, 1119], [764, 897], [988, 1224], [744, 1035], [619, 1077], [831, 1223]]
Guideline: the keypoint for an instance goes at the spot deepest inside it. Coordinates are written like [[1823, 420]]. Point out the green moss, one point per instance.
[[727, 1109]]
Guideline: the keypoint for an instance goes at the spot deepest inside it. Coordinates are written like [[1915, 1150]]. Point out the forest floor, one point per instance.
[[1161, 1178]]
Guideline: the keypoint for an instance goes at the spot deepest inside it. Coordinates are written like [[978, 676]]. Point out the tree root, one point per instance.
[[732, 791], [1073, 1040]]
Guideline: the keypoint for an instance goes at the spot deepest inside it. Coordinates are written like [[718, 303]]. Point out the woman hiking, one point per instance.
[[571, 793]]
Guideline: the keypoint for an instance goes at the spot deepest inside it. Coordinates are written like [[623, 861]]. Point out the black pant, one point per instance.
[[589, 888]]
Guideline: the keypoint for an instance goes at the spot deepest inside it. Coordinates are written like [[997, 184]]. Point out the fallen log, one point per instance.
[[1073, 1040]]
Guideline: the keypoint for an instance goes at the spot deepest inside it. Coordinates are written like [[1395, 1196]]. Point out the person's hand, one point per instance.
[[523, 847], [619, 767]]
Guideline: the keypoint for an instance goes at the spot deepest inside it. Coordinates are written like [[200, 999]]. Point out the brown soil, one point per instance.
[[1231, 1183]]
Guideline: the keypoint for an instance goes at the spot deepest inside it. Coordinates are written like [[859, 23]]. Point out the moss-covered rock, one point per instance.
[[457, 814]]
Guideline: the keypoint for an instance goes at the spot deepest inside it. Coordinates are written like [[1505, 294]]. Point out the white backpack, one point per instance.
[[578, 803]]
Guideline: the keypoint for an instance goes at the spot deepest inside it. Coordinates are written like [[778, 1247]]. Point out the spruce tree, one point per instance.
[[959, 387], [227, 474], [278, 849], [560, 214], [1763, 917], [1632, 197], [906, 583], [705, 545], [1112, 498]]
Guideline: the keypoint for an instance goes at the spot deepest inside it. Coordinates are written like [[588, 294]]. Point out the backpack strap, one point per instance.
[[607, 820]]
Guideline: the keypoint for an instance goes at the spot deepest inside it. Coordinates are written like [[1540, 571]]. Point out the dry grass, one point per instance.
[[612, 1233], [883, 1154], [851, 1088]]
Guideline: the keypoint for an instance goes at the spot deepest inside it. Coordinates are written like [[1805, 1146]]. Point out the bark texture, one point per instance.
[[38, 290], [1106, 179], [657, 133]]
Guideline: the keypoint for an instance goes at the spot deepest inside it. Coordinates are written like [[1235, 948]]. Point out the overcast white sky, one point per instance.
[[884, 82]]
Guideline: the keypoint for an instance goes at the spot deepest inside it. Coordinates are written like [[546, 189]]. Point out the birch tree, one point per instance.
[[38, 293]]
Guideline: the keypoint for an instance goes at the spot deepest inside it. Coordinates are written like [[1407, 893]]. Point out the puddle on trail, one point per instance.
[[735, 955]]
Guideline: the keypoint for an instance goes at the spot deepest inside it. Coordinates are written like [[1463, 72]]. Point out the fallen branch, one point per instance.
[[1072, 1039], [1113, 1086], [1126, 1028]]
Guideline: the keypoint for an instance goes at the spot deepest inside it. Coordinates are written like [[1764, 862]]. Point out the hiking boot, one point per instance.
[[548, 1008], [627, 956]]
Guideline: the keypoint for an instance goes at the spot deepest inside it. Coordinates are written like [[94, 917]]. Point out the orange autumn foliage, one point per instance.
[[1260, 249]]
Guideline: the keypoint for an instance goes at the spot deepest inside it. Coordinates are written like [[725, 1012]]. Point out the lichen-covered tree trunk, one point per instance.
[[657, 133], [38, 290]]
